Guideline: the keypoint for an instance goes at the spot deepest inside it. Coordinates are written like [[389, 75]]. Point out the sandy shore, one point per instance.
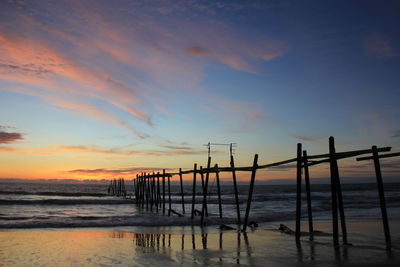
[[193, 246]]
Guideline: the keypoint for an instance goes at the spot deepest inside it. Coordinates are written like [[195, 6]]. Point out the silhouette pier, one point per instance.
[[151, 196]]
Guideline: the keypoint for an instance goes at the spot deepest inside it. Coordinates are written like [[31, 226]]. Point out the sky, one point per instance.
[[102, 89]]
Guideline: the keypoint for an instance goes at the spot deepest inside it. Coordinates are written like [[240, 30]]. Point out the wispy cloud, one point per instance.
[[170, 151], [9, 138], [120, 58], [377, 44], [396, 134], [307, 138], [116, 171], [196, 51]]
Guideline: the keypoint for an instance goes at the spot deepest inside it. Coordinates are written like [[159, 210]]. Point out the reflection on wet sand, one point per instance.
[[158, 242]]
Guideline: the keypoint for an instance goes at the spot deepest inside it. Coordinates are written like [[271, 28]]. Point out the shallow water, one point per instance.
[[195, 246]]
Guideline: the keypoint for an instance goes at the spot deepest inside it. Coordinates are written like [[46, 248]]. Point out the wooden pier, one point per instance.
[[151, 195]]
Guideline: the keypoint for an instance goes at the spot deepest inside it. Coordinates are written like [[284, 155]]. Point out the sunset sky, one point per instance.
[[99, 89]]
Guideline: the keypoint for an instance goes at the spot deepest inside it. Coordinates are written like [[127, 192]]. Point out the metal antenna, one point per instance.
[[231, 147]]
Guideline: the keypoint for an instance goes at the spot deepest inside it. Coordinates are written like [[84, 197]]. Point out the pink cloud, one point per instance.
[[380, 46], [9, 138]]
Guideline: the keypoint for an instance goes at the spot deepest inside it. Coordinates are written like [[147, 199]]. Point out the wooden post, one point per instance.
[[332, 161], [236, 190], [153, 190], [341, 207], [218, 190], [382, 200], [308, 192], [163, 189], [158, 190], [147, 190], [169, 195], [183, 198], [203, 184], [298, 192], [204, 208], [253, 178], [194, 190]]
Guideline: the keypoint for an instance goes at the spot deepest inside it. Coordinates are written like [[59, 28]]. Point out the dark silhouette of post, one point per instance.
[[218, 190], [382, 200], [236, 190], [183, 198], [163, 189], [253, 178], [333, 166], [204, 208], [308, 193], [169, 195], [158, 190], [341, 207], [194, 190], [203, 183], [298, 192]]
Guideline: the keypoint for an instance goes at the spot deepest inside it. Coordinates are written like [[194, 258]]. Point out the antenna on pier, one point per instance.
[[231, 147]]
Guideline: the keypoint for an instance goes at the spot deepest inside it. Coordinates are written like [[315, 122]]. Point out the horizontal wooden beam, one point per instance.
[[349, 154], [324, 158], [390, 155]]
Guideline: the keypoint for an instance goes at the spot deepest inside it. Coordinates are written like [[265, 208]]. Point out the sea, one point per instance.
[[67, 205]]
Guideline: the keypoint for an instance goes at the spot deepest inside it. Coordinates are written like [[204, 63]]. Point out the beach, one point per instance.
[[196, 246]]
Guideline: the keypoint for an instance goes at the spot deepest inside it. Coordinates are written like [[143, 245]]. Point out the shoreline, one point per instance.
[[193, 245]]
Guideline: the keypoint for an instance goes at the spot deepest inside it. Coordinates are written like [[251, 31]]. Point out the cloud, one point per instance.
[[196, 51], [273, 50], [120, 58], [379, 45], [120, 151], [116, 171], [9, 138], [396, 134], [308, 138]]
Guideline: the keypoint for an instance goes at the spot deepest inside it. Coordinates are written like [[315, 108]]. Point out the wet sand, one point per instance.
[[193, 246]]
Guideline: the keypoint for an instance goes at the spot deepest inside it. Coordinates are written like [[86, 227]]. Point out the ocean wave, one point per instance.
[[116, 201], [63, 194]]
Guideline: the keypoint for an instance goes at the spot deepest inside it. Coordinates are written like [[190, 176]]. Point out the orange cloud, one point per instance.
[[196, 51], [33, 63]]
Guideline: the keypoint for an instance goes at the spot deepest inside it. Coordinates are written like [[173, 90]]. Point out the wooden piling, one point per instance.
[[182, 196], [218, 190], [158, 190], [382, 200], [341, 207], [236, 190], [194, 190], [163, 189], [298, 192], [308, 193], [203, 184], [333, 165], [169, 195], [204, 208], [147, 191], [253, 178]]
